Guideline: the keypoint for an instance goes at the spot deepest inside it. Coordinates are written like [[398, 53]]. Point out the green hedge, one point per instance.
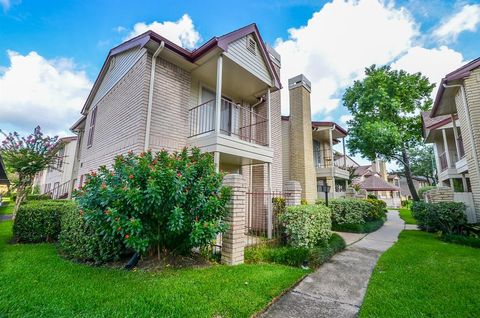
[[33, 197], [446, 217], [306, 225], [461, 240], [82, 242], [367, 227], [292, 256], [39, 221]]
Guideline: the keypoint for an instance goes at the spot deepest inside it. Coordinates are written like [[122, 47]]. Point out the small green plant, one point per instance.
[[306, 225], [372, 196], [303, 201], [422, 190]]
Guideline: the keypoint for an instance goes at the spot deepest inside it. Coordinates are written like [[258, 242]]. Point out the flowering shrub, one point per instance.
[[306, 225], [379, 210], [163, 202]]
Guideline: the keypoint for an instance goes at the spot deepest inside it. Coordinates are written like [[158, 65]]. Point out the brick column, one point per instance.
[[293, 193], [233, 240]]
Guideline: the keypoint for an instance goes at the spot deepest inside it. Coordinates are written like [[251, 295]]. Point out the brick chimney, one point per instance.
[[301, 146]]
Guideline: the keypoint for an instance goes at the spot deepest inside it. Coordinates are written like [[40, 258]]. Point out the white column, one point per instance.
[[269, 203], [464, 183], [437, 157], [218, 92], [445, 144], [330, 137], [216, 160], [344, 153], [269, 115], [455, 135]]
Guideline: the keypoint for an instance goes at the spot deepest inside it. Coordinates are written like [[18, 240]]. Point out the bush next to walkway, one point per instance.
[[355, 215], [446, 217], [306, 225], [292, 256], [39, 221]]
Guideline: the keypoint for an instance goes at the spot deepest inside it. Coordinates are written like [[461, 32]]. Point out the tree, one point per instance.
[[423, 163], [386, 107], [26, 157]]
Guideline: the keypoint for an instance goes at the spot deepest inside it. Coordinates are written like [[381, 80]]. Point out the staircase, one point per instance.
[[60, 191]]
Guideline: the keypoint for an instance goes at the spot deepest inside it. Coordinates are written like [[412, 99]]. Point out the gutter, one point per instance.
[[150, 95], [470, 129]]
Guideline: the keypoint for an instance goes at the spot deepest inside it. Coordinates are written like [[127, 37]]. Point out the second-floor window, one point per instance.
[[92, 127]]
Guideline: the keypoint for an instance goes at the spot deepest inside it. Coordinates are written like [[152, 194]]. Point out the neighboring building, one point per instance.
[[418, 182], [458, 101], [308, 154], [374, 179], [4, 182], [57, 180], [222, 97]]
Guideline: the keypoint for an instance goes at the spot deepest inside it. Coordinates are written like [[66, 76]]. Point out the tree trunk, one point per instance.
[[21, 195], [408, 175]]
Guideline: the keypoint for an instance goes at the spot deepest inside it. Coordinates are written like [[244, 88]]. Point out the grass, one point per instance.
[[367, 227], [291, 256], [421, 276], [36, 282], [7, 207], [406, 215]]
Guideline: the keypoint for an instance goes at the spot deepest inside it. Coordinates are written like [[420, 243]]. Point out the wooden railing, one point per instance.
[[60, 191]]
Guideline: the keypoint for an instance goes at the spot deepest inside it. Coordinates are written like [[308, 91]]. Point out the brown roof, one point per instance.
[[362, 170], [316, 124], [375, 183]]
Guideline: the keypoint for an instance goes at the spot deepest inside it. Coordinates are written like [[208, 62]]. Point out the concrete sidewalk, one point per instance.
[[338, 287], [5, 217]]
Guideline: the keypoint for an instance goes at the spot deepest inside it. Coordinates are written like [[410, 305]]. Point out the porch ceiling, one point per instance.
[[237, 83]]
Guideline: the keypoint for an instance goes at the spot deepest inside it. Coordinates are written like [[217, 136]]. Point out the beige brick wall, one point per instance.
[[120, 123], [301, 147], [169, 126], [472, 89], [277, 164], [286, 150]]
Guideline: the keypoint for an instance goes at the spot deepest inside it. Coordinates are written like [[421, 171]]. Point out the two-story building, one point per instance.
[[455, 130]]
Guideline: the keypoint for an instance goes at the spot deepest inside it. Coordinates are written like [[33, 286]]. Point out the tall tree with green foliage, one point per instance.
[[423, 163], [386, 107], [26, 156]]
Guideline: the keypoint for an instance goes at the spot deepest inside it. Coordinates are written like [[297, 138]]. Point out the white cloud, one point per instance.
[[345, 118], [433, 63], [37, 91], [338, 42], [5, 4], [181, 32], [466, 19]]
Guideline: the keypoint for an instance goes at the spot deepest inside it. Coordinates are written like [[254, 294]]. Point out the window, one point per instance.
[[252, 45], [93, 118], [61, 154]]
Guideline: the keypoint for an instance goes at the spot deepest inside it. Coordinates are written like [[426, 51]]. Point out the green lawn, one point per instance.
[[7, 207], [421, 276], [35, 281], [406, 215]]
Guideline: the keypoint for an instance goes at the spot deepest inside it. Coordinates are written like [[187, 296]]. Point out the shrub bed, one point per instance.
[[83, 242], [40, 221], [445, 217], [306, 225], [358, 216], [473, 241], [292, 256], [367, 227]]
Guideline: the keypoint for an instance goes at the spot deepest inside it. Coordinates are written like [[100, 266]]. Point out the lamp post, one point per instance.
[[325, 189]]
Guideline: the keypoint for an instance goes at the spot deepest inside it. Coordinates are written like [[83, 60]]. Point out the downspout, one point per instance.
[[470, 129], [150, 95]]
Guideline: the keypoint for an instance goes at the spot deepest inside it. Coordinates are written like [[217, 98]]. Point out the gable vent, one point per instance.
[[252, 45]]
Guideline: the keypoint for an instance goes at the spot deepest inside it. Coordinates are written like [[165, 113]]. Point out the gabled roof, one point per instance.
[[376, 183], [362, 170], [460, 73], [430, 123], [221, 42], [3, 173]]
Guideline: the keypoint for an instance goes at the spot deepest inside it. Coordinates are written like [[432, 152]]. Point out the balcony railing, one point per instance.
[[235, 120], [461, 149], [323, 159], [443, 161]]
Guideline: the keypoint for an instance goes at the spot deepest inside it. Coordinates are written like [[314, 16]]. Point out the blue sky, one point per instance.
[[51, 51]]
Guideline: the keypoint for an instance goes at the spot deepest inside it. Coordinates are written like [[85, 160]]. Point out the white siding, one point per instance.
[[254, 63], [123, 63]]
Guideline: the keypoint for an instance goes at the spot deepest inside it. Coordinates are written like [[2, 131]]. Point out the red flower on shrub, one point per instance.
[[107, 212], [130, 152], [112, 173], [104, 185], [81, 212], [179, 175], [119, 228], [93, 174], [127, 236], [130, 177]]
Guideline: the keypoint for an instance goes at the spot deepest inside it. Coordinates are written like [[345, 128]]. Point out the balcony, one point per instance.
[[324, 166], [242, 134]]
